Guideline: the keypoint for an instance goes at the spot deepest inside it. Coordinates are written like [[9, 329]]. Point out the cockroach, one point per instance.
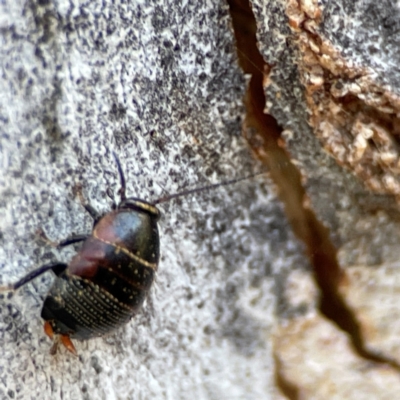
[[107, 281]]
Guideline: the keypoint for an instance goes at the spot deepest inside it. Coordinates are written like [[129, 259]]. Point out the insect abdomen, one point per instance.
[[79, 308]]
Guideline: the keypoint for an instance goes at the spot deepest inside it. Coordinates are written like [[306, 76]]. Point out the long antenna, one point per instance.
[[200, 189]]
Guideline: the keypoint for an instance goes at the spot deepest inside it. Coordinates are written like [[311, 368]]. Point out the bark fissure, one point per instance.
[[264, 136]]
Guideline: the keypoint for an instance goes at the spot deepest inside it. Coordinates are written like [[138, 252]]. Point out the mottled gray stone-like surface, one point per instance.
[[368, 32], [156, 82]]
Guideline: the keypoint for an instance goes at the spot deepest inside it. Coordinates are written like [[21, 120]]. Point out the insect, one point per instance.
[[107, 281]]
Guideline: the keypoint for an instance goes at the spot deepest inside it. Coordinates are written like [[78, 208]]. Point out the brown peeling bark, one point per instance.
[[355, 117]]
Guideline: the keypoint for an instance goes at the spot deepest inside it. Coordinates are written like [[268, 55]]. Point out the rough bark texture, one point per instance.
[[158, 83], [332, 83], [235, 313]]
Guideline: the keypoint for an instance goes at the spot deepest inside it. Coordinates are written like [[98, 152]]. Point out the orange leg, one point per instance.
[[67, 342], [48, 330]]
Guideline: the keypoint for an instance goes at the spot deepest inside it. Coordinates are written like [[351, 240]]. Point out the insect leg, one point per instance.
[[91, 210], [64, 339], [72, 239], [67, 342], [57, 268], [93, 213]]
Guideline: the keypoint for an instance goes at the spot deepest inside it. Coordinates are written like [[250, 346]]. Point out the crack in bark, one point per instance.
[[264, 137]]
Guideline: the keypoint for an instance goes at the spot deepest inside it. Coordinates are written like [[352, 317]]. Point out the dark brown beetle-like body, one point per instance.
[[106, 283]]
